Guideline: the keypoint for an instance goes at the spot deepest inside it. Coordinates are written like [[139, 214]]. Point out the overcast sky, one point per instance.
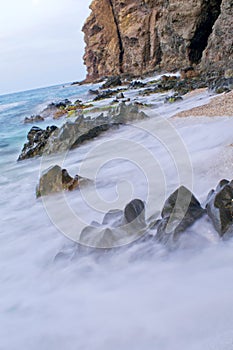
[[41, 43]]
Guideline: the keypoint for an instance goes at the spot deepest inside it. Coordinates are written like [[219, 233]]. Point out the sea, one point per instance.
[[143, 297]]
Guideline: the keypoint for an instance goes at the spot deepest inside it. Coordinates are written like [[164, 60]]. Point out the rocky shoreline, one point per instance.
[[181, 210]]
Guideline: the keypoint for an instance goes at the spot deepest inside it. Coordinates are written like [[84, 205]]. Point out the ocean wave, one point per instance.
[[7, 106]]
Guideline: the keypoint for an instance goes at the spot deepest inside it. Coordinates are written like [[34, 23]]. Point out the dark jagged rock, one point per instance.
[[180, 211], [117, 228], [55, 179], [220, 208], [112, 82], [37, 141], [72, 134], [93, 92], [33, 119], [135, 212], [105, 94]]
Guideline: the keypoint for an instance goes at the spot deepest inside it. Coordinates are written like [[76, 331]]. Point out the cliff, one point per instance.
[[139, 36]]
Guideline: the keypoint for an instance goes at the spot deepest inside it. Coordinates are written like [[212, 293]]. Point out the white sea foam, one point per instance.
[[145, 297]]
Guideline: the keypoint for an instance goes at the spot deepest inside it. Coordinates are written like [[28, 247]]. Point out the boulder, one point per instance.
[[220, 208], [135, 213], [120, 95], [180, 211], [112, 82], [55, 179]]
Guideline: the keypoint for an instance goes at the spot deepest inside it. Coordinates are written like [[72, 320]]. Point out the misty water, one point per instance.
[[143, 296]]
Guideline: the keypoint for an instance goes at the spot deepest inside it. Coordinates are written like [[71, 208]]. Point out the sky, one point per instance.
[[41, 43]]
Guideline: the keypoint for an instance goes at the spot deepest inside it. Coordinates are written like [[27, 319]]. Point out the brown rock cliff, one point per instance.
[[139, 36]]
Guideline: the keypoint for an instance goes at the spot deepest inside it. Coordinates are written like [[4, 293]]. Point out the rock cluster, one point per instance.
[[118, 227], [137, 37], [180, 211], [72, 134]]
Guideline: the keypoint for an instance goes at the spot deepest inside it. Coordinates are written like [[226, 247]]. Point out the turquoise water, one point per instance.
[[15, 107]]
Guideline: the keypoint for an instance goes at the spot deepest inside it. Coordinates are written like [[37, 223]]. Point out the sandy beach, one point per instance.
[[219, 106]]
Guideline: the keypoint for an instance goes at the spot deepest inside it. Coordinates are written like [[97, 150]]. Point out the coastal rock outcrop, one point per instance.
[[137, 37], [72, 134]]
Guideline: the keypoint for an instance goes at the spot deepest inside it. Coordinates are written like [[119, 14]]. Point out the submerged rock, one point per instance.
[[220, 208], [117, 228], [180, 211], [33, 119], [55, 179]]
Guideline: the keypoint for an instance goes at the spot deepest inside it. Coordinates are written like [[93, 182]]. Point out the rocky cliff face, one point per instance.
[[139, 36]]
